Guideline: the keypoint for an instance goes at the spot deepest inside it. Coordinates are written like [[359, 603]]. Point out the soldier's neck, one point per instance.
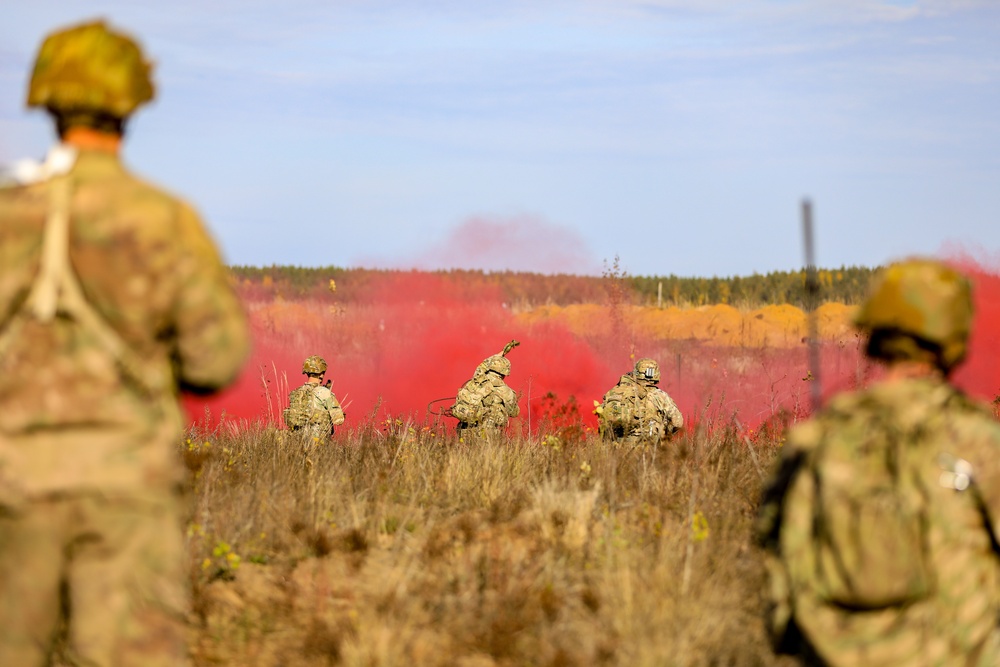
[[912, 370], [314, 380], [89, 139]]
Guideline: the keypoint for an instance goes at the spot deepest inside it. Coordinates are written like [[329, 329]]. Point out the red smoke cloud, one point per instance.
[[409, 338], [414, 340], [980, 374]]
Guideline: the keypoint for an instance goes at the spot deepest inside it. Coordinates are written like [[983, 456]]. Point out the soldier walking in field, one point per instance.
[[636, 411], [313, 408], [880, 522], [112, 297], [485, 402]]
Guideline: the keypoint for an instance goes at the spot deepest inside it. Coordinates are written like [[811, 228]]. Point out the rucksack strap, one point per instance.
[[57, 290]]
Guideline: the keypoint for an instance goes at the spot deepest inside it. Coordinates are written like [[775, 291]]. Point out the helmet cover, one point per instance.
[[497, 363], [647, 369], [90, 68], [314, 365], [925, 300]]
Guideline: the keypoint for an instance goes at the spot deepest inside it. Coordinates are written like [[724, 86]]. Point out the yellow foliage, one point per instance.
[[699, 527], [771, 326]]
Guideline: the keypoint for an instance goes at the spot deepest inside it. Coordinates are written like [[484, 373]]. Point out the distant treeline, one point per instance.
[[845, 285]]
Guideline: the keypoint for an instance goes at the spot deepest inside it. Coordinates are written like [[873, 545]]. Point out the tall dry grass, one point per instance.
[[400, 544]]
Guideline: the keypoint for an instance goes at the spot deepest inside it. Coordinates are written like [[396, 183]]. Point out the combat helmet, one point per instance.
[[917, 309], [90, 70], [497, 363], [314, 365], [647, 369]]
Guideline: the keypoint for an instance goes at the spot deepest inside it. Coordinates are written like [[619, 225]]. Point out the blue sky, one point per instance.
[[680, 135]]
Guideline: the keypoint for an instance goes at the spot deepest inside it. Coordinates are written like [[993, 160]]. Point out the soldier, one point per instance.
[[880, 522], [486, 402], [636, 411], [112, 297], [313, 407]]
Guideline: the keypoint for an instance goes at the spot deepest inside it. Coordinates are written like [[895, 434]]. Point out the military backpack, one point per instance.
[[622, 409], [469, 407], [300, 408], [858, 512]]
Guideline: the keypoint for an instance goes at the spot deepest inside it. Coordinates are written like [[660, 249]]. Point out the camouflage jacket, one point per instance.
[[485, 401], [880, 523], [652, 415], [161, 316]]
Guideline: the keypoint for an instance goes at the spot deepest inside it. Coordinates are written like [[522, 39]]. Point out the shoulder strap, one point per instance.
[[954, 469], [57, 289]]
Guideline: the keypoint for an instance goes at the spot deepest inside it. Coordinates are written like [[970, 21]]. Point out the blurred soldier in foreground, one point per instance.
[[112, 296], [486, 402], [636, 411], [880, 521], [313, 407]]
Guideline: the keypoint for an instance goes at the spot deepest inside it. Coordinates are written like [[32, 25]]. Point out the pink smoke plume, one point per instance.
[[521, 243]]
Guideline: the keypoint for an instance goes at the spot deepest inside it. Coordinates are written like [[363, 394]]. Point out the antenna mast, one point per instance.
[[812, 296]]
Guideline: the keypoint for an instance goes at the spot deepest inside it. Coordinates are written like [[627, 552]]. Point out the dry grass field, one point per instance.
[[397, 543], [400, 544]]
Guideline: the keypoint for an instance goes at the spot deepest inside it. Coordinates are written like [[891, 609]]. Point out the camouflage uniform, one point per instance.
[[320, 408], [651, 414], [326, 411], [486, 402], [880, 521], [112, 296]]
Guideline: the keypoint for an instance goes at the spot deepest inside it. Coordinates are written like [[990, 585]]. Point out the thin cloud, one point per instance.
[[817, 11]]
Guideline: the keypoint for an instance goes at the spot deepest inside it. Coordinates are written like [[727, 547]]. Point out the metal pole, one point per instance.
[[812, 294]]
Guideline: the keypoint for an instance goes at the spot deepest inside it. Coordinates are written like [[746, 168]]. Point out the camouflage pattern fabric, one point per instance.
[[880, 523], [314, 364], [663, 418], [621, 409], [95, 346], [323, 411], [485, 402], [146, 265], [125, 582], [638, 412]]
